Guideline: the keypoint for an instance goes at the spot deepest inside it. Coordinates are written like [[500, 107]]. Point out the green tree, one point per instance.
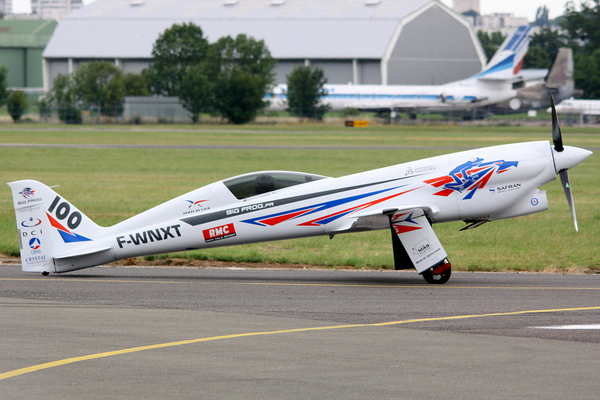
[[44, 108], [100, 83], [63, 98], [583, 25], [245, 53], [3, 85], [176, 50], [587, 74], [583, 31], [304, 91], [238, 95], [196, 92], [135, 85], [490, 43], [541, 16], [536, 58], [244, 71], [543, 48], [17, 104]]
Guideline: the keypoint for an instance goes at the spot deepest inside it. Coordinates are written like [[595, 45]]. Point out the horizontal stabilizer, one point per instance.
[[84, 252]]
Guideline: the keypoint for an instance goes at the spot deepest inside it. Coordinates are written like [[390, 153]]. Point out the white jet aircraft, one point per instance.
[[475, 186], [496, 83], [581, 107]]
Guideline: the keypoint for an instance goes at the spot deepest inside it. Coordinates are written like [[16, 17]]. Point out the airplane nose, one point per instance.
[[569, 157]]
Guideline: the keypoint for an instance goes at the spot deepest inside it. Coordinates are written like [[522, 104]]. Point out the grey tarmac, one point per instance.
[[156, 333]]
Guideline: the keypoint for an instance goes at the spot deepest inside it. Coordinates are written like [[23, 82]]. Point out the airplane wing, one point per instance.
[[375, 219]]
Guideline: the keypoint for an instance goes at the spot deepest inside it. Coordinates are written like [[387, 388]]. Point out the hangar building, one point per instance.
[[353, 41], [21, 45]]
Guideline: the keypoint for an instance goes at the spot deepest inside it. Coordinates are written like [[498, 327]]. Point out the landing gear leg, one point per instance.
[[438, 274]]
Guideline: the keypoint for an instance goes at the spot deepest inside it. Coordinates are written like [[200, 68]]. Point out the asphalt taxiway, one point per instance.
[[156, 333]]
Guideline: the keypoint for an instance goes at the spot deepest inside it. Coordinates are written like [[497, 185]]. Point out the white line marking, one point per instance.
[[568, 327]]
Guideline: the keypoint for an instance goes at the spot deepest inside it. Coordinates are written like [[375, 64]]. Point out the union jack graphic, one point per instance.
[[470, 176]]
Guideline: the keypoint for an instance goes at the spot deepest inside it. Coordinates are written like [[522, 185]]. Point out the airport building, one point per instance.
[[21, 47], [5, 7], [54, 9], [353, 41]]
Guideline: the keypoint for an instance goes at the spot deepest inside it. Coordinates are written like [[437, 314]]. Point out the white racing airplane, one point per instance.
[[475, 186]]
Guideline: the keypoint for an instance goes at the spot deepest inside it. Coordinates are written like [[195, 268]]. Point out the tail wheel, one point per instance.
[[439, 274]]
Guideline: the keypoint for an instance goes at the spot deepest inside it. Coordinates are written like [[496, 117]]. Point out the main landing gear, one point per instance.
[[438, 274]]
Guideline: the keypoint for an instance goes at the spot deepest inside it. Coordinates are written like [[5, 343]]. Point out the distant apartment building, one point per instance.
[[6, 7], [461, 6], [54, 9], [505, 23]]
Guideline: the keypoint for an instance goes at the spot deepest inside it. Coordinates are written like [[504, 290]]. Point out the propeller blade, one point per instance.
[[564, 178], [556, 134]]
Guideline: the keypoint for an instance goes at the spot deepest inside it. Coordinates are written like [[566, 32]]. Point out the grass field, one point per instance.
[[111, 184]]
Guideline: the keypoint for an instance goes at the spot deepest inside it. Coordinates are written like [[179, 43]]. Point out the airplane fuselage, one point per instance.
[[484, 184], [573, 106], [464, 95]]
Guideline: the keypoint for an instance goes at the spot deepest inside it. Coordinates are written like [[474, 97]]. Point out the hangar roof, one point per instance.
[[334, 29], [25, 33]]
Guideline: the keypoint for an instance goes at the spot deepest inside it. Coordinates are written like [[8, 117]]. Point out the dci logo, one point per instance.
[[219, 233]]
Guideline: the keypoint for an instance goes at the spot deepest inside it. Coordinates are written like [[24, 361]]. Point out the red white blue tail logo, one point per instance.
[[67, 235]]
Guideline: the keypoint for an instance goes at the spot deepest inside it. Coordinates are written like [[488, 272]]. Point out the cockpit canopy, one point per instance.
[[266, 181]]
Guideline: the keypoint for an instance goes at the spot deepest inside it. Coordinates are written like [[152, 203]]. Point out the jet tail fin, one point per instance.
[[49, 226], [560, 77], [508, 60]]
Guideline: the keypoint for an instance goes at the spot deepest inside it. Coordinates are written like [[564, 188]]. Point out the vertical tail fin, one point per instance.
[[48, 225], [560, 77], [508, 60]]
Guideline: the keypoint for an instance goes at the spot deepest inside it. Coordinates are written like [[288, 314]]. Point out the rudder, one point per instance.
[[508, 60], [48, 225]]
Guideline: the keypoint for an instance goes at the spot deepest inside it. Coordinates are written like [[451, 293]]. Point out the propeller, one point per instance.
[[564, 174], [556, 133]]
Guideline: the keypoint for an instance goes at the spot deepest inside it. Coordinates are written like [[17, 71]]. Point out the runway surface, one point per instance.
[[157, 333]]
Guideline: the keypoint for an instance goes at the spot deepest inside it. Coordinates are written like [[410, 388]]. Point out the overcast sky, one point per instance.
[[520, 8]]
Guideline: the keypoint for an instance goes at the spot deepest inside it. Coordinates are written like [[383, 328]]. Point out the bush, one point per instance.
[[69, 114], [17, 104], [350, 112], [44, 108]]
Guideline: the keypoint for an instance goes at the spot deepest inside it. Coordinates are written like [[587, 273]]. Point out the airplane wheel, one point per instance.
[[45, 273], [439, 275]]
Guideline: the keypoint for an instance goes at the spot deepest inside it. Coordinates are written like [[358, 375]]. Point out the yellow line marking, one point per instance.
[[373, 285], [72, 360]]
